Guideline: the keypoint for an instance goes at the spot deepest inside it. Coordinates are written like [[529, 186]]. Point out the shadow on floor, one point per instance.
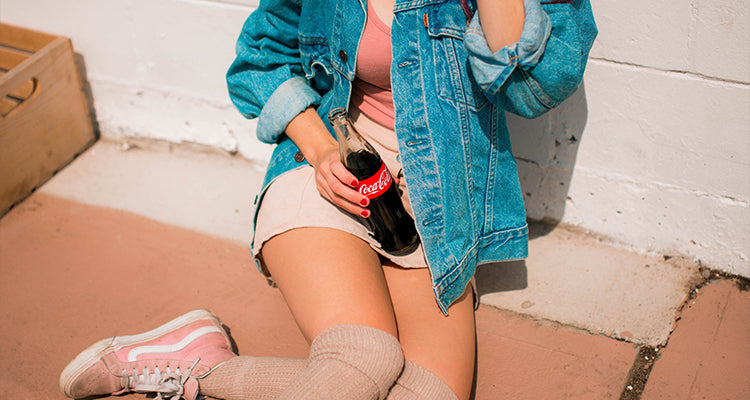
[[501, 277], [510, 275]]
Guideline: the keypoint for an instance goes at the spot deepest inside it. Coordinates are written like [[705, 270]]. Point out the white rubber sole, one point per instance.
[[91, 355]]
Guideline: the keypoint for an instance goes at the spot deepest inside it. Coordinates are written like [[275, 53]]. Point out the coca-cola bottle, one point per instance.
[[389, 222]]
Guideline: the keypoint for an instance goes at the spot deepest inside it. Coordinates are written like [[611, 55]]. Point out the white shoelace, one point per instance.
[[163, 383]]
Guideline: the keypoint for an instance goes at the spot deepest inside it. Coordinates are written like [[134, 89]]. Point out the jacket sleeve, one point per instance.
[[266, 78], [545, 66]]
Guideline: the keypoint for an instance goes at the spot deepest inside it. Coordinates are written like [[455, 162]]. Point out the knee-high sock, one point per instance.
[[349, 362], [346, 362], [256, 378], [417, 383]]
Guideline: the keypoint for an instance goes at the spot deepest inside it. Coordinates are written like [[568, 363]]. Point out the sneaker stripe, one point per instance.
[[135, 352]]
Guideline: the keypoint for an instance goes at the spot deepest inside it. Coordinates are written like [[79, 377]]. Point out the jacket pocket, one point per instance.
[[446, 26], [315, 60]]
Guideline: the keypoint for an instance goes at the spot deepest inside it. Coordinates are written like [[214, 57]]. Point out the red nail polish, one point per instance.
[[363, 202], [354, 183], [366, 213]]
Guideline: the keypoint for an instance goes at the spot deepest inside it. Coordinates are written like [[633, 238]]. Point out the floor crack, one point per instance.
[[639, 372]]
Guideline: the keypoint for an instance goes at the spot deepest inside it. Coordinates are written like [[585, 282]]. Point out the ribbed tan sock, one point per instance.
[[417, 383], [244, 377], [346, 362], [352, 362]]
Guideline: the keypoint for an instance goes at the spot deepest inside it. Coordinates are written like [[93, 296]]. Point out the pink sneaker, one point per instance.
[[167, 360]]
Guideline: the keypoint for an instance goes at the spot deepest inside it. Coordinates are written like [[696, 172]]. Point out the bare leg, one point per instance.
[[443, 345], [440, 349], [334, 285], [329, 278]]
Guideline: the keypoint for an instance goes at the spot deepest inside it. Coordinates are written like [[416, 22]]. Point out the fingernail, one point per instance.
[[366, 213], [364, 201], [354, 183]]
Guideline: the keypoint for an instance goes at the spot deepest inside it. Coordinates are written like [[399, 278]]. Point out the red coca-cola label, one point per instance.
[[377, 184]]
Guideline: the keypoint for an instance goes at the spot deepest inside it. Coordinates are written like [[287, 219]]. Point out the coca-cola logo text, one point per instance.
[[377, 184]]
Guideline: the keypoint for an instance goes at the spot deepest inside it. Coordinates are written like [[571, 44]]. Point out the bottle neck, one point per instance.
[[350, 141]]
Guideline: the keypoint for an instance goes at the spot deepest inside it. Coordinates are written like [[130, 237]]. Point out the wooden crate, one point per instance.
[[44, 113]]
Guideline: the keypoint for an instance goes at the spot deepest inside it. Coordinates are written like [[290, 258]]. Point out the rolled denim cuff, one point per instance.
[[286, 102], [492, 69]]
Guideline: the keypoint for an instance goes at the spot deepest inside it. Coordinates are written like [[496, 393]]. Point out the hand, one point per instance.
[[336, 183]]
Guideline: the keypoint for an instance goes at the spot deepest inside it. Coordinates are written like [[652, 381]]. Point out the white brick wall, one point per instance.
[[156, 67], [661, 156], [653, 151], [705, 37]]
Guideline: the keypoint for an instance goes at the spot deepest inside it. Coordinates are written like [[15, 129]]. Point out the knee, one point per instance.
[[367, 351]]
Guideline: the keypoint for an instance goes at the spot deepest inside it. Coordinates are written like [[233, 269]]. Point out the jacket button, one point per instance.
[[299, 157], [343, 56]]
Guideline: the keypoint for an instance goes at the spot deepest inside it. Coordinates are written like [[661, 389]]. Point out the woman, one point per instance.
[[425, 81]]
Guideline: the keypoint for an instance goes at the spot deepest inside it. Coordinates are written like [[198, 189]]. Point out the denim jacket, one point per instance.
[[449, 94]]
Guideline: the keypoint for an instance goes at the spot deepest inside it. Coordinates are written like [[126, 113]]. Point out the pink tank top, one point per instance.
[[371, 90]]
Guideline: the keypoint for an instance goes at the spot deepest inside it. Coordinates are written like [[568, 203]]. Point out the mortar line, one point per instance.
[[624, 179], [681, 73], [138, 88]]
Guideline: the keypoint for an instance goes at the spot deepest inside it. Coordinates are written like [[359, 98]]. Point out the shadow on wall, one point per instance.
[[545, 149], [86, 88]]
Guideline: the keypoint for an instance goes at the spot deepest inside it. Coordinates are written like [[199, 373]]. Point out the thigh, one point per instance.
[[444, 345], [329, 277]]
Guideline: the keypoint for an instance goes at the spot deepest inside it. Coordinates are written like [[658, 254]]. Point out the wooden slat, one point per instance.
[[24, 91], [31, 68], [17, 96], [10, 58], [23, 38], [7, 104]]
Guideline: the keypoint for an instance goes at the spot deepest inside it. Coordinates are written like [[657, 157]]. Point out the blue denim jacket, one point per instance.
[[449, 93]]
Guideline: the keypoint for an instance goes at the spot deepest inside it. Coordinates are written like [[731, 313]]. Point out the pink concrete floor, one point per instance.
[[71, 274], [708, 354]]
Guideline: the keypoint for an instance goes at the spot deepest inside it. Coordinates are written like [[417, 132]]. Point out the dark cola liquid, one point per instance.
[[389, 222]]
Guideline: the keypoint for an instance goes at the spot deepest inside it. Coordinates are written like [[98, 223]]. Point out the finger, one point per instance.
[[341, 202], [338, 186], [347, 192], [399, 175], [349, 183], [339, 170]]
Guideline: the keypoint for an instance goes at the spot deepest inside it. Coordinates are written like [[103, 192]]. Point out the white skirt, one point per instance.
[[293, 201]]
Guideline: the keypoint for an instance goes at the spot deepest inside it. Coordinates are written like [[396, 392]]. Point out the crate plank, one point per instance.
[[11, 58], [25, 39], [7, 104], [44, 114]]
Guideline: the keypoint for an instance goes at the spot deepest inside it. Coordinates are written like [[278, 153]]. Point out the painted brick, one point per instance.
[[654, 159], [124, 111], [643, 32], [666, 219], [669, 128], [181, 46], [721, 45], [707, 37]]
